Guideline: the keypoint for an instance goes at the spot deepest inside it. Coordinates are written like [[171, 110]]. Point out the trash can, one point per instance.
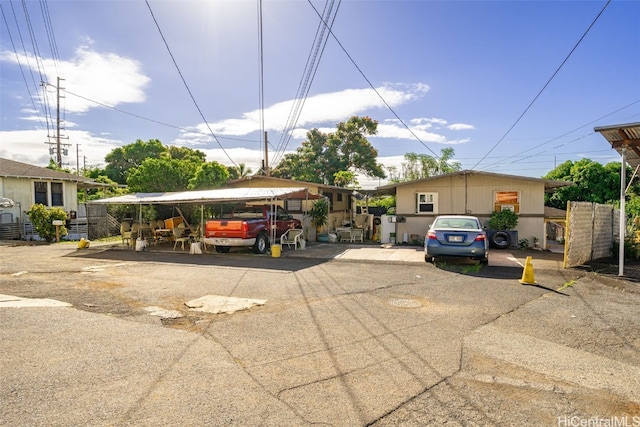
[[140, 245], [275, 250]]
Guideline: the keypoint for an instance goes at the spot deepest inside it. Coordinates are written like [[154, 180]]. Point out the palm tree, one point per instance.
[[240, 171]]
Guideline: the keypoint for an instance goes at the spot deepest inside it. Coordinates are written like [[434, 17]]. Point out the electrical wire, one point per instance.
[[562, 136], [24, 77], [187, 86], [148, 119], [311, 67], [261, 88], [545, 85], [50, 35], [384, 101]]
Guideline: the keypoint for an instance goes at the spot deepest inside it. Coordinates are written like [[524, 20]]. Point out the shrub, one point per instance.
[[503, 220], [42, 219]]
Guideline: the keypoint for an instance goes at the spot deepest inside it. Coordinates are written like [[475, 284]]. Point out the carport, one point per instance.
[[205, 197], [625, 139]]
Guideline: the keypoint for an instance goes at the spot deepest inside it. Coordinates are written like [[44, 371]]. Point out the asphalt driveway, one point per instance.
[[337, 342]]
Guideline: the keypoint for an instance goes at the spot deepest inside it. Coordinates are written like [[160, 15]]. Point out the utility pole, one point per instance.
[[266, 155], [78, 159], [60, 148]]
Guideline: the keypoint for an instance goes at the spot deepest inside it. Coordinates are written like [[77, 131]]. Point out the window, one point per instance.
[[56, 194], [339, 197], [427, 203], [507, 200], [41, 193], [294, 205]]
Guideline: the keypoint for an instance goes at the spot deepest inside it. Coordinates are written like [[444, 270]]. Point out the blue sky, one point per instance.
[[457, 73]]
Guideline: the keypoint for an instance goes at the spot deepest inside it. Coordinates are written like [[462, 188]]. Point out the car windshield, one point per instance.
[[459, 223]]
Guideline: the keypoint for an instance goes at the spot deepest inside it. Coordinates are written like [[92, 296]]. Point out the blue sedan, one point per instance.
[[456, 236]]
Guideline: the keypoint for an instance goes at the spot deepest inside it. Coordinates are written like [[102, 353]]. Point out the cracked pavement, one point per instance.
[[336, 343]]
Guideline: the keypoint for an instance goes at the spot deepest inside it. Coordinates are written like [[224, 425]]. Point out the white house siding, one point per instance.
[[22, 192], [473, 195]]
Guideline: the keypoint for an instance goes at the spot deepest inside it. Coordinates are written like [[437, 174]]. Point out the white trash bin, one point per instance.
[[141, 244]]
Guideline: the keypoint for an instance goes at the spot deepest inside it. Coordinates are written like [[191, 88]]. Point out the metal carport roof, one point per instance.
[[621, 137], [224, 195], [625, 139]]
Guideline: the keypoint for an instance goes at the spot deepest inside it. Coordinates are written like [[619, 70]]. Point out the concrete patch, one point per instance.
[[557, 361], [220, 304], [162, 312], [18, 302]]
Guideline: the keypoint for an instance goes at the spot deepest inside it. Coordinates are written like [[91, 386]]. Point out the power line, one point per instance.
[[186, 85], [50, 34], [563, 135], [371, 85], [304, 86], [24, 77], [545, 85], [150, 120]]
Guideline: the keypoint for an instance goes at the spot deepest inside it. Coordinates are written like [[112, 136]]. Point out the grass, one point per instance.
[[568, 284], [465, 269]]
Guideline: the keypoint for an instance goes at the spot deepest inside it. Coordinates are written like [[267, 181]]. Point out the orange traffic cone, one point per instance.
[[527, 273]]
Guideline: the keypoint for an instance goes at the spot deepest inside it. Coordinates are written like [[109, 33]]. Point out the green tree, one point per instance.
[[321, 156], [164, 174], [346, 179], [122, 159], [209, 175], [240, 171], [185, 153], [593, 183], [420, 166]]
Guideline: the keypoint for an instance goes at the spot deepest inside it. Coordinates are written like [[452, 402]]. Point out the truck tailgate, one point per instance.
[[225, 228]]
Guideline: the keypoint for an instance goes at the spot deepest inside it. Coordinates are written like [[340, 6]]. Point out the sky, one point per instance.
[[514, 87]]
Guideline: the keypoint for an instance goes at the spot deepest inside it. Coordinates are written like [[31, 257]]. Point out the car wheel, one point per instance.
[[501, 240], [429, 259], [223, 249], [261, 245], [484, 261]]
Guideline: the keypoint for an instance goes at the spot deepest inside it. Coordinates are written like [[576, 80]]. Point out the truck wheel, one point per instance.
[[261, 245], [223, 249]]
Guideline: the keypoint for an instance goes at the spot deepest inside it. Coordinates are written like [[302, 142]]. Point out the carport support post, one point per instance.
[[623, 179]]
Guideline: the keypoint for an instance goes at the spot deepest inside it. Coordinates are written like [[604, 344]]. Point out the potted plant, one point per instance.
[[319, 214], [502, 226]]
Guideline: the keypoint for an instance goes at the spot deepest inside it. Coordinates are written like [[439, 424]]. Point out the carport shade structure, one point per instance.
[[625, 139], [202, 197]]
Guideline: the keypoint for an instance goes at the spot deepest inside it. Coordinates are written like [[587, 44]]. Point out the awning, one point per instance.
[[624, 137], [224, 195]]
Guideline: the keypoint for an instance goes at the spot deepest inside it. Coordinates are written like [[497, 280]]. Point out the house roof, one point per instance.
[[625, 136], [291, 182], [14, 169], [549, 184]]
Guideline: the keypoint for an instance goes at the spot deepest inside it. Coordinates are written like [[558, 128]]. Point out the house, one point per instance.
[[341, 200], [473, 193], [27, 185]]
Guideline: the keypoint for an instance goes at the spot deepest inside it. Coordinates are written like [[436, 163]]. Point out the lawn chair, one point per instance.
[[293, 236], [179, 236]]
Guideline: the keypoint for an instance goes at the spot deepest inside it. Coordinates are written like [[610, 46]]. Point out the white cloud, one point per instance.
[[108, 78], [460, 126], [323, 108], [29, 146]]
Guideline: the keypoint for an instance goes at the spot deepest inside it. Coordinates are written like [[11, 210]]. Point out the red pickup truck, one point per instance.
[[248, 226]]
